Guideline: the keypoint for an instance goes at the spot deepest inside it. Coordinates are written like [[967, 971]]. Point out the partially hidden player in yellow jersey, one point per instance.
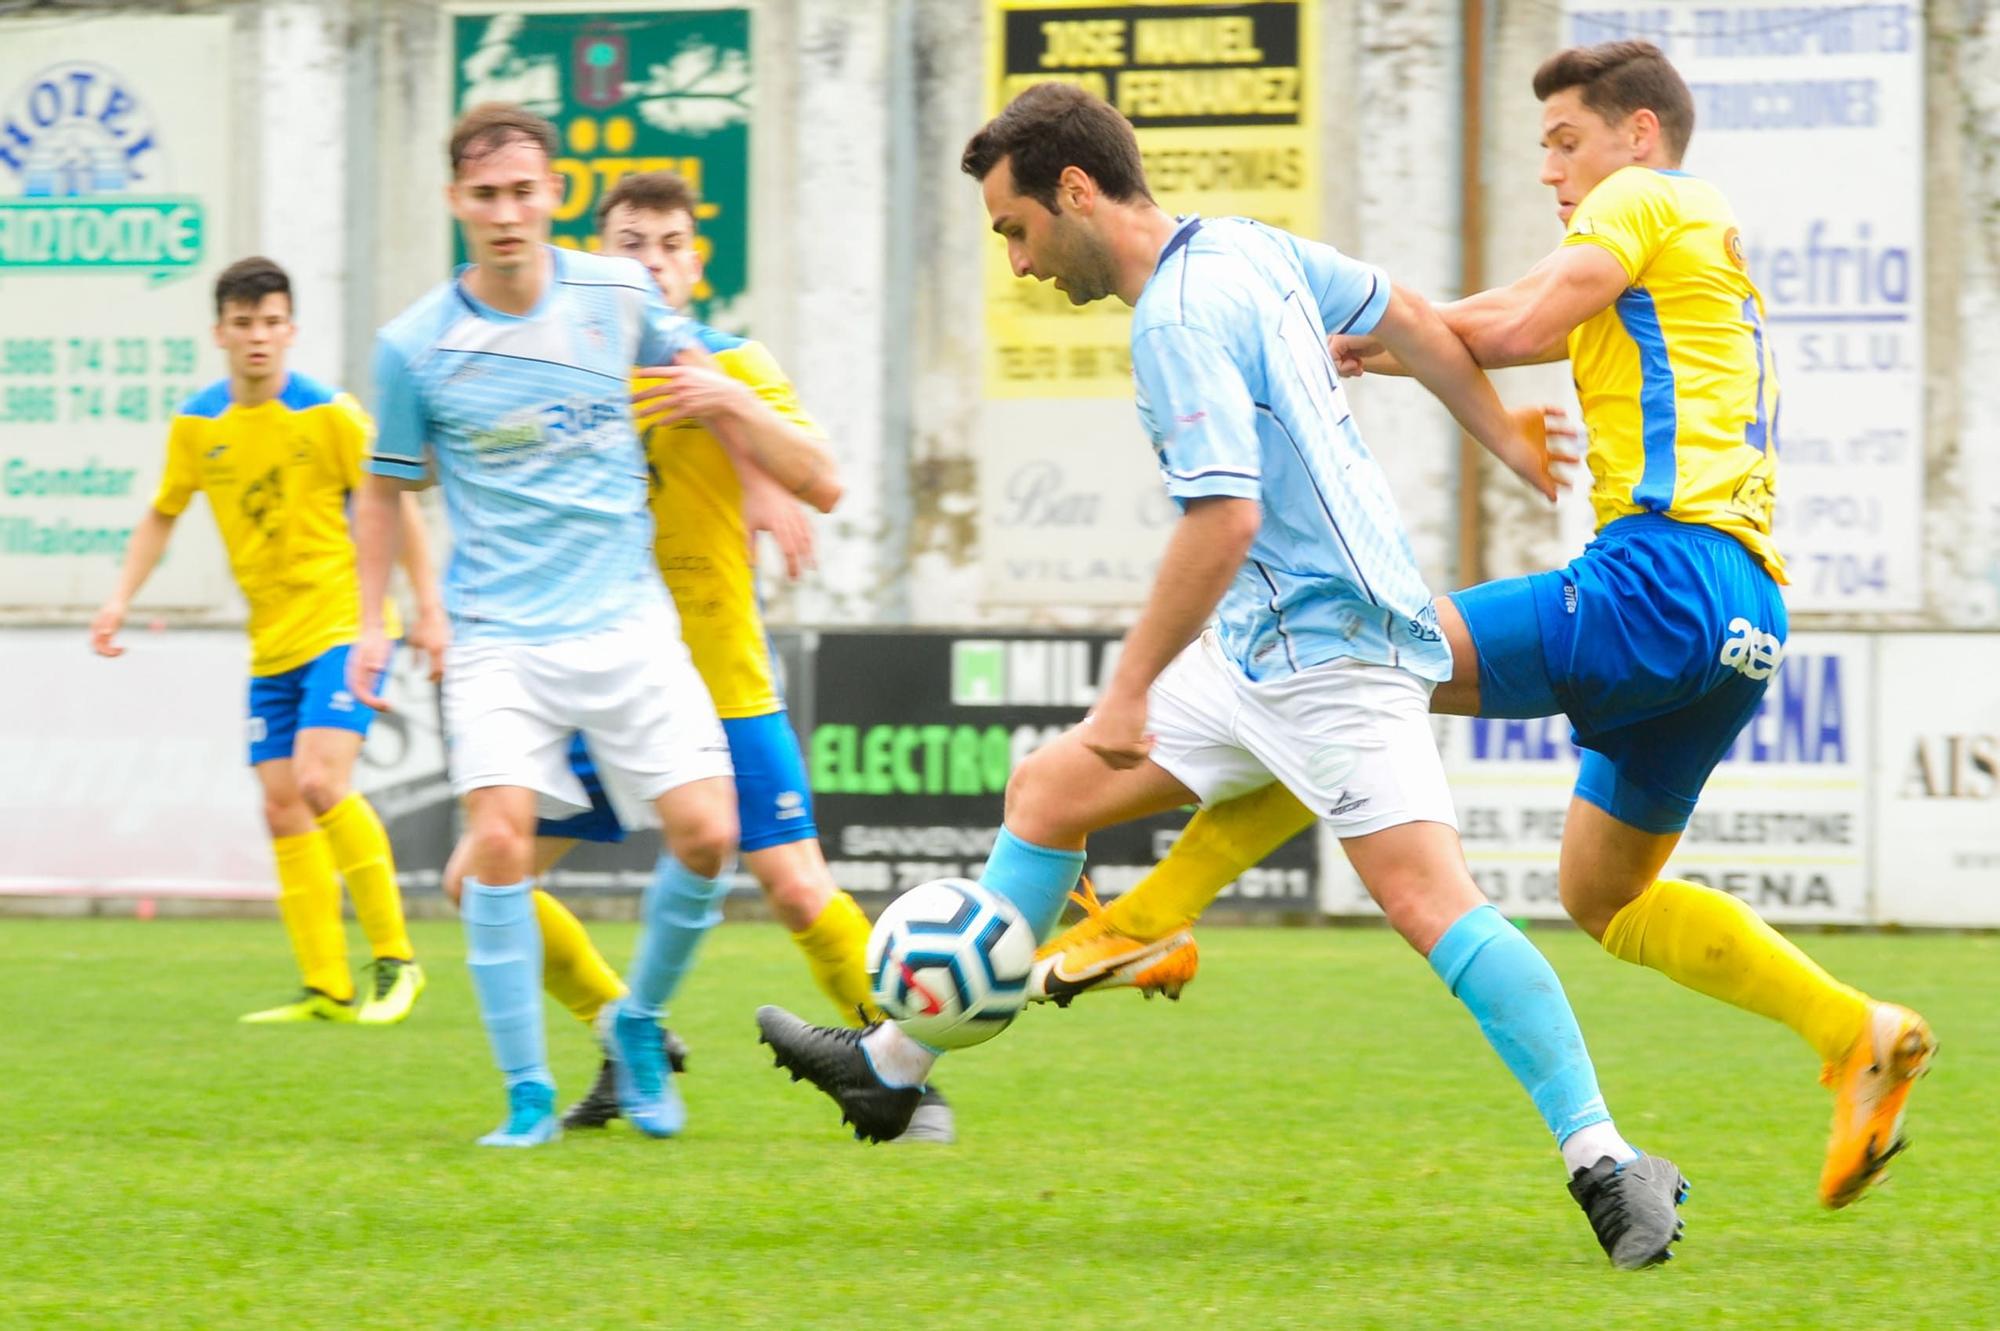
[[277, 454], [1657, 643], [708, 500]]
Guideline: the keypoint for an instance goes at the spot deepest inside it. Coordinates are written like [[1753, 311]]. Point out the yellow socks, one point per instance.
[[1211, 852], [835, 944], [573, 971], [1716, 945], [361, 852], [309, 904]]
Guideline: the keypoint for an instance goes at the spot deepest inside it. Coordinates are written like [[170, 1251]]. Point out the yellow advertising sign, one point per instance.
[[1222, 97]]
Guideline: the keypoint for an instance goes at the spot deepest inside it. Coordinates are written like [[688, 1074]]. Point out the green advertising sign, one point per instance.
[[631, 91]]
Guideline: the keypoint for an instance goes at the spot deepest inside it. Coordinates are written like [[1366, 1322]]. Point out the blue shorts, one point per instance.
[[773, 800], [307, 697], [1657, 642]]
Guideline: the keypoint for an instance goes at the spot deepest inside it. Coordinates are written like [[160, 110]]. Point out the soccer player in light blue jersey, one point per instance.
[[511, 383], [1317, 668]]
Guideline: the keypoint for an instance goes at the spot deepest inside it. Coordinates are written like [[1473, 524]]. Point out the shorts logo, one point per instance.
[[1345, 803], [791, 804], [1751, 651], [256, 729], [341, 701]]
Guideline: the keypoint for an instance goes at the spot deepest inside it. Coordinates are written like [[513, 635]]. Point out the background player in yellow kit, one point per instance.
[[707, 501], [277, 454], [1658, 642]]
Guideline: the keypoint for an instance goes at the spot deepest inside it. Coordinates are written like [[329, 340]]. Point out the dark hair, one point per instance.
[[649, 191], [1619, 78], [248, 281], [493, 125], [1056, 125]]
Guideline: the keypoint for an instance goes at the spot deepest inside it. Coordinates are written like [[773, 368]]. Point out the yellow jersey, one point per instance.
[[703, 545], [277, 477], [1677, 380]]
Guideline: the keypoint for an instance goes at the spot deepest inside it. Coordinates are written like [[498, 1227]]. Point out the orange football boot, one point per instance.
[[1871, 1084], [1093, 954]]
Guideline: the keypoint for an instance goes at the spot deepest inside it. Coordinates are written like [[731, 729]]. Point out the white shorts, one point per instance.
[[1352, 741], [511, 708]]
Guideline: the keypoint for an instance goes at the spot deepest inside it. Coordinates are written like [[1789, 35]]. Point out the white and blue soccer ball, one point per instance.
[[949, 960]]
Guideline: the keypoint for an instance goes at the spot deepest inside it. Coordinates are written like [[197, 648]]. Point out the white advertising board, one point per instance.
[[115, 148], [131, 776], [1783, 823], [1811, 120], [1937, 779]]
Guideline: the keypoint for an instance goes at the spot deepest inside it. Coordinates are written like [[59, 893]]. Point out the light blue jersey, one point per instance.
[[1240, 398], [528, 421]]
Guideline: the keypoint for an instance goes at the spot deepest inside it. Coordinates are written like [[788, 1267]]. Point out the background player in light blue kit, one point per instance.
[[512, 381], [1318, 669]]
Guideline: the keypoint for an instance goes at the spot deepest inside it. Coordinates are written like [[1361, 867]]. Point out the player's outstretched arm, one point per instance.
[[429, 632], [694, 387], [1528, 322], [1412, 331], [142, 555], [1209, 544], [377, 522]]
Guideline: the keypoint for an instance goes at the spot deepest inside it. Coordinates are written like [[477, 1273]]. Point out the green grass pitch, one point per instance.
[[1315, 1137]]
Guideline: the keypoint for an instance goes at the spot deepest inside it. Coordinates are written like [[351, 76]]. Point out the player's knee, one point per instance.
[[1037, 809], [498, 853], [797, 897], [1422, 901], [287, 815], [321, 788], [1588, 905], [706, 843]]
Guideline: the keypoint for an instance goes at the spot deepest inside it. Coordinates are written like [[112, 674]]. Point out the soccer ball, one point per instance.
[[949, 960]]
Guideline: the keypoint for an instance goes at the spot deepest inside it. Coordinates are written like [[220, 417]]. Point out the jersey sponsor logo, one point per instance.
[[1750, 651], [570, 426], [89, 174]]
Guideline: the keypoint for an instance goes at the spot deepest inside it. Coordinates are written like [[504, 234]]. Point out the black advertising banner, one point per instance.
[[913, 738]]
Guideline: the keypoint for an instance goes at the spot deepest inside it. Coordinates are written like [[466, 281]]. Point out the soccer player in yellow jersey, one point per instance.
[[277, 454], [707, 501], [1657, 643]]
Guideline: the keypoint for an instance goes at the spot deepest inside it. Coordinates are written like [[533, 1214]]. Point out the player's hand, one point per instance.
[[431, 635], [1349, 352], [366, 660], [1116, 732], [1547, 439], [767, 507], [104, 627], [685, 392]]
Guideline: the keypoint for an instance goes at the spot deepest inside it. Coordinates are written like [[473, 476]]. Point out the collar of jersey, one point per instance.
[[485, 311], [1188, 226]]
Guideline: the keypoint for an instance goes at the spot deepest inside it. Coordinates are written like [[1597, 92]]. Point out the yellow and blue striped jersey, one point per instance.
[[1677, 381], [702, 544], [277, 476]]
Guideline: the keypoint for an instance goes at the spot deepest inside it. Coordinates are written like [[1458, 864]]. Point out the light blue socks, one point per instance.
[[679, 909], [1493, 969], [503, 950], [1036, 879]]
